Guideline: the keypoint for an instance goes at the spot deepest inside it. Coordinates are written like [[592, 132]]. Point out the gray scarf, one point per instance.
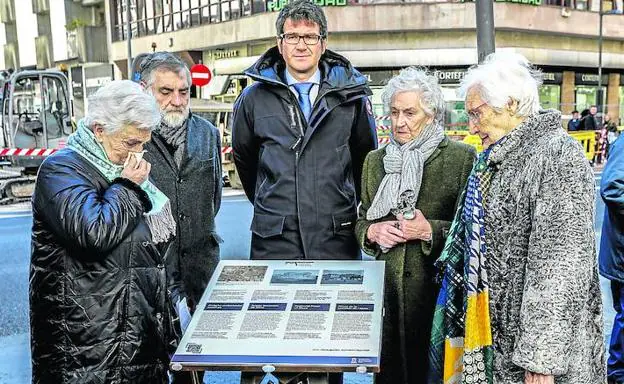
[[176, 137], [404, 165]]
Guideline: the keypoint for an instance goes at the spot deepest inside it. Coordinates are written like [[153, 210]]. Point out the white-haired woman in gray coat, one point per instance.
[[521, 252]]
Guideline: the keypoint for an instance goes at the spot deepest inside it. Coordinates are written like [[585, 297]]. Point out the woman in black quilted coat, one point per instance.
[[98, 294]]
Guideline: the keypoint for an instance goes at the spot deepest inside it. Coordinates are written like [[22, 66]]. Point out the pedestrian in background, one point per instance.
[[99, 308], [300, 135], [521, 251], [185, 152], [612, 253], [584, 114], [410, 189], [573, 124], [592, 122]]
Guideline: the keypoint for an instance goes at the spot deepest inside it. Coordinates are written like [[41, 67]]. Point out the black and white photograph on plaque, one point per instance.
[[243, 273], [342, 277], [290, 276]]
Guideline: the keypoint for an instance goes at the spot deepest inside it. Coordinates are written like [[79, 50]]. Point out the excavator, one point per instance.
[[36, 122]]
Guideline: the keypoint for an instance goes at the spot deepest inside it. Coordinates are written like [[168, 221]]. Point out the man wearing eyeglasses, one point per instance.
[[300, 135]]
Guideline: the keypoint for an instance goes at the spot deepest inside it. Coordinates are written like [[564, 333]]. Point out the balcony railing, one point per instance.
[[43, 52], [41, 6], [10, 56], [151, 17], [7, 11], [87, 44]]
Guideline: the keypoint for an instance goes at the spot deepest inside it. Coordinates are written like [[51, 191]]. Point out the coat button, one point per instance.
[[408, 274], [180, 180], [182, 216]]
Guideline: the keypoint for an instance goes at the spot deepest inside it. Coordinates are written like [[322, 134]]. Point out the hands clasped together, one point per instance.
[[390, 233]]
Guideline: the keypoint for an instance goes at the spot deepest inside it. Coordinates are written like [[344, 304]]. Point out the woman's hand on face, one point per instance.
[[386, 234], [417, 228], [536, 378], [136, 172]]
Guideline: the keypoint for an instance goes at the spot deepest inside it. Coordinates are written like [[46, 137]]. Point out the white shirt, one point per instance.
[[315, 79]]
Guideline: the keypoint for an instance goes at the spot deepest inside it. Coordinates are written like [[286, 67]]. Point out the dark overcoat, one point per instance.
[[410, 288], [98, 289], [194, 189]]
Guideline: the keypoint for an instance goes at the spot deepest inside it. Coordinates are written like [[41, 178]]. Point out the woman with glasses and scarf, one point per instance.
[[409, 192], [520, 301], [98, 294]]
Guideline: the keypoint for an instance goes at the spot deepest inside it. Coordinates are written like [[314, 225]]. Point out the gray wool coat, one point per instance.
[[194, 189], [545, 301], [410, 288]]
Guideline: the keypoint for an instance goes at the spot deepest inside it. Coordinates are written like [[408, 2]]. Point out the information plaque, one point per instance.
[[314, 316]]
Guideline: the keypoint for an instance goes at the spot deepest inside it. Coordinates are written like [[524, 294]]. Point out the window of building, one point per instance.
[[382, 121], [550, 96], [585, 96], [150, 17], [455, 118]]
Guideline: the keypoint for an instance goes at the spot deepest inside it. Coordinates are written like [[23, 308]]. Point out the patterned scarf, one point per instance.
[[176, 138], [461, 337], [160, 219], [404, 165]]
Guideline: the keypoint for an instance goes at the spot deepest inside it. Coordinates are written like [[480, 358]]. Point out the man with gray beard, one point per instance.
[[185, 153]]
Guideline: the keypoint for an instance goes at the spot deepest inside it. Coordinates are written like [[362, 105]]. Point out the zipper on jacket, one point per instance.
[[294, 118]]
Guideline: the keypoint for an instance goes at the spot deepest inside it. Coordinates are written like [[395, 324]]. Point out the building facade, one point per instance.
[[69, 35], [382, 36]]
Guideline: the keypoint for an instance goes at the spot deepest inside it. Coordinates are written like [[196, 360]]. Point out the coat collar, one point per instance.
[[336, 71], [159, 143], [540, 124]]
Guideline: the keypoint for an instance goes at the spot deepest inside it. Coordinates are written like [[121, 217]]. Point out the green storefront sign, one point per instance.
[[277, 5], [527, 2]]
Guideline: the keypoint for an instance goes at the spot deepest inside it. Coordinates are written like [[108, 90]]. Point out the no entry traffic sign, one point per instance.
[[200, 75]]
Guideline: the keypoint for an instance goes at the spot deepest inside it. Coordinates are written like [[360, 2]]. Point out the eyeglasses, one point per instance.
[[293, 38], [474, 114]]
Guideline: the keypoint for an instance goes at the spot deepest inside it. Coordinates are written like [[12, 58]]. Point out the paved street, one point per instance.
[[233, 225]]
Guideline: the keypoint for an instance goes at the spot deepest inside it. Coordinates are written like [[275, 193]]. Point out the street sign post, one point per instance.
[[200, 75]]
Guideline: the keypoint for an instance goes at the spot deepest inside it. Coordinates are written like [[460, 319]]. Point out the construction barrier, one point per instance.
[[466, 137], [588, 142], [27, 151], [586, 138]]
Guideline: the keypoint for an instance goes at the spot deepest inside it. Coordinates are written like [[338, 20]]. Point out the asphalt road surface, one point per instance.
[[233, 225]]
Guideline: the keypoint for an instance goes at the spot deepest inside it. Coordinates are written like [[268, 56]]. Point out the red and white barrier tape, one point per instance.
[[27, 151]]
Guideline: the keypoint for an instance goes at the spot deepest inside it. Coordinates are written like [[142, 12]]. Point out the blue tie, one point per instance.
[[303, 89]]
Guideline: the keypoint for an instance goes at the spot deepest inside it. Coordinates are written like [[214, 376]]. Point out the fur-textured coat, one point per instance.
[[545, 300]]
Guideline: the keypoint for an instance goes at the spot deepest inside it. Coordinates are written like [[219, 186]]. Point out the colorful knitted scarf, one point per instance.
[[160, 219], [461, 337]]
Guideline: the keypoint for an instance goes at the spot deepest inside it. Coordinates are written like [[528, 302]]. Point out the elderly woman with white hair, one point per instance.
[[409, 193], [520, 299], [98, 290]]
